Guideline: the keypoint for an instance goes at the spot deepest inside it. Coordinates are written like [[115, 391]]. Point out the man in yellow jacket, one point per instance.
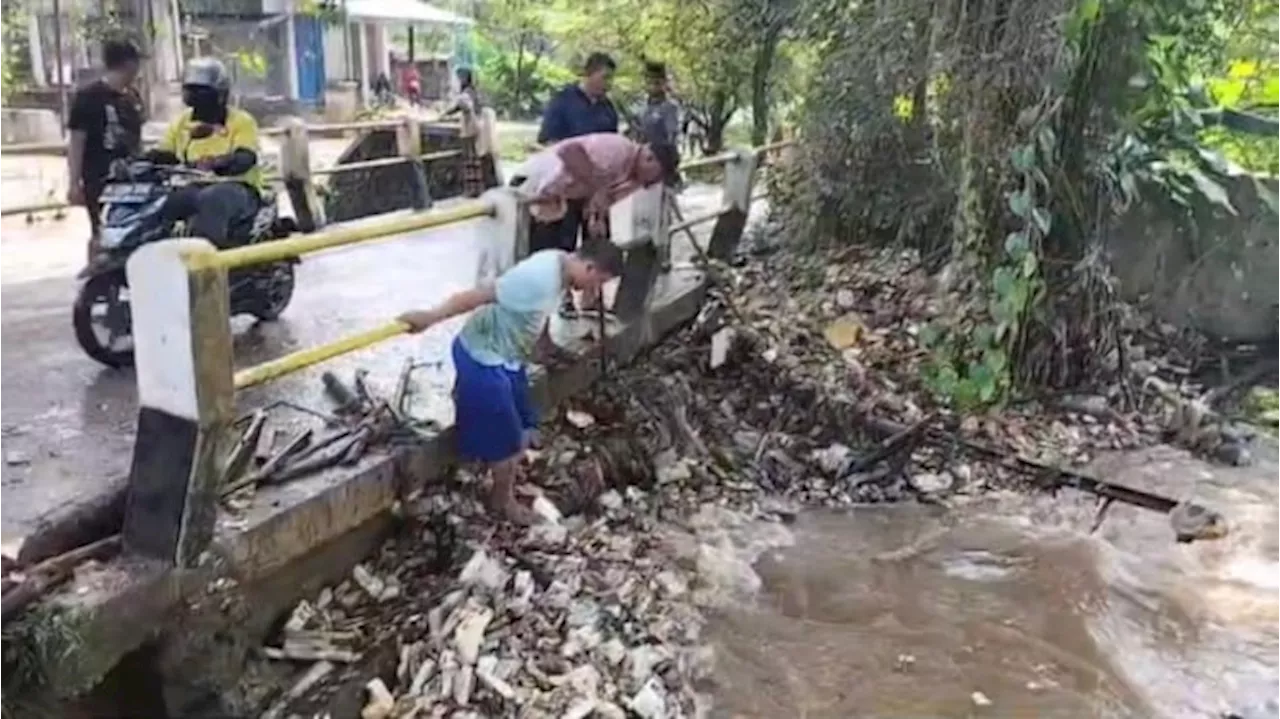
[[222, 140]]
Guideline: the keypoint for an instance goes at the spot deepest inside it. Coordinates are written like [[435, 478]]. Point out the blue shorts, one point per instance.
[[492, 408]]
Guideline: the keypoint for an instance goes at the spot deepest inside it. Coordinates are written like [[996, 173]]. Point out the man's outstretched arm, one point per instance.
[[457, 304]]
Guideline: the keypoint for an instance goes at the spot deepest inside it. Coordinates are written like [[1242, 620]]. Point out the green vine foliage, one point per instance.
[[970, 364], [15, 64], [1124, 117]]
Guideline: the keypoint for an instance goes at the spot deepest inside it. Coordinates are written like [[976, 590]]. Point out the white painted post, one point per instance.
[[295, 168], [291, 52], [361, 52], [409, 145], [38, 74], [382, 48], [739, 178], [504, 237], [639, 227], [186, 398]]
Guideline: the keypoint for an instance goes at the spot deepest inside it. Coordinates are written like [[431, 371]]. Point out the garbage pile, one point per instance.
[[596, 610], [782, 395]]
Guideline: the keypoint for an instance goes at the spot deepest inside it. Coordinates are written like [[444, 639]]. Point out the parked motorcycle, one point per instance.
[[131, 203]]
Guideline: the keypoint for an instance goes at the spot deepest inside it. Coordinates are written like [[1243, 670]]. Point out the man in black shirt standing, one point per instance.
[[105, 125]]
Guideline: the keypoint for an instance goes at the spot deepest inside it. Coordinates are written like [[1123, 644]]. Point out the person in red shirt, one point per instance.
[[411, 83]]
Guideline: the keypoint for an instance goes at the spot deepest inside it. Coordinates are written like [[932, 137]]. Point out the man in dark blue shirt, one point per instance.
[[579, 109], [582, 108]]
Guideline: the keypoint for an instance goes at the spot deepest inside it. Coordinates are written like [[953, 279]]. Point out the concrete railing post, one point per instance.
[[186, 398], [295, 168], [409, 146], [739, 178], [506, 234], [639, 227]]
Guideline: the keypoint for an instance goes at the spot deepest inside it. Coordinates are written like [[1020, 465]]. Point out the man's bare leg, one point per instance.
[[502, 498]]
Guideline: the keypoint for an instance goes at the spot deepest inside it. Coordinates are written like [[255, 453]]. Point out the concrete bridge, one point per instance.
[[71, 435]]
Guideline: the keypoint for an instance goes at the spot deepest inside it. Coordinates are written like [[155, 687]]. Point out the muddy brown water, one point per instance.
[[1006, 606]]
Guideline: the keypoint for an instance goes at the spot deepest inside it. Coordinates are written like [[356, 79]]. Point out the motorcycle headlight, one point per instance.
[[112, 237]]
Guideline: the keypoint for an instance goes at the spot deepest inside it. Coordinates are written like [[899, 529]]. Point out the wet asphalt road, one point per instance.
[[68, 422]]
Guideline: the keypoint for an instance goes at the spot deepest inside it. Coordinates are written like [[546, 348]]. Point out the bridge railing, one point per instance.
[[187, 383], [295, 170]]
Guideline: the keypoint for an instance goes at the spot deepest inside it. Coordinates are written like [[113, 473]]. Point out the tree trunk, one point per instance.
[[761, 69], [718, 115], [519, 83]]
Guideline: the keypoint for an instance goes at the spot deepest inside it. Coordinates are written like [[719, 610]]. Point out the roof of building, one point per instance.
[[409, 11]]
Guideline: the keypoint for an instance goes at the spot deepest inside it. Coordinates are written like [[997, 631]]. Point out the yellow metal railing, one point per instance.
[[302, 359], [291, 247], [296, 246]]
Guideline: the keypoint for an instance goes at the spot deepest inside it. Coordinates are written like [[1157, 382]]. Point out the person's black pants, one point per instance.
[[93, 206], [562, 234], [215, 211]]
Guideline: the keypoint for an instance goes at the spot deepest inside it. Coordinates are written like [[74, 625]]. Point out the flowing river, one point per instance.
[[1007, 606]]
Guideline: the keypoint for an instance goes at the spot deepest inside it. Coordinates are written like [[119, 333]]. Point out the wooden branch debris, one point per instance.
[[366, 421], [38, 579], [1190, 521]]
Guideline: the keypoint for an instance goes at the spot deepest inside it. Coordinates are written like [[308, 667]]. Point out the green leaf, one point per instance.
[[1089, 10], [1030, 264], [1213, 160], [1042, 219], [1211, 190], [1003, 281], [929, 335], [1047, 139], [1023, 157], [1016, 243], [1267, 196], [946, 381], [996, 360], [966, 394], [987, 390], [984, 335], [1020, 203]]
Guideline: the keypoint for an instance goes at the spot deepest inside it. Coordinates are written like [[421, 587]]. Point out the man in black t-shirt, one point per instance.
[[105, 125]]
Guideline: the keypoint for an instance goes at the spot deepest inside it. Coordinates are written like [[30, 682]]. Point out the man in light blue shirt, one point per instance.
[[507, 330]]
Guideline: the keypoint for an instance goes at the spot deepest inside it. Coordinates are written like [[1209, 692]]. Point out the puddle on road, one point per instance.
[[908, 611]]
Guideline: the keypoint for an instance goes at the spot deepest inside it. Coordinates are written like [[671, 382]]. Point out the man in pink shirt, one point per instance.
[[601, 169]]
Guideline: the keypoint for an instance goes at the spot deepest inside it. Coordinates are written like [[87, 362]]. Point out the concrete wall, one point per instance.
[[1206, 269], [30, 125]]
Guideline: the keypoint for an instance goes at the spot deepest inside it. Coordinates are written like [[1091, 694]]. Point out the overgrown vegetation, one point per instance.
[[40, 638], [999, 138]]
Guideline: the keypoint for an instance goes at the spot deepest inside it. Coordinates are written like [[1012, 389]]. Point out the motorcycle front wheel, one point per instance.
[[277, 292], [101, 318]]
